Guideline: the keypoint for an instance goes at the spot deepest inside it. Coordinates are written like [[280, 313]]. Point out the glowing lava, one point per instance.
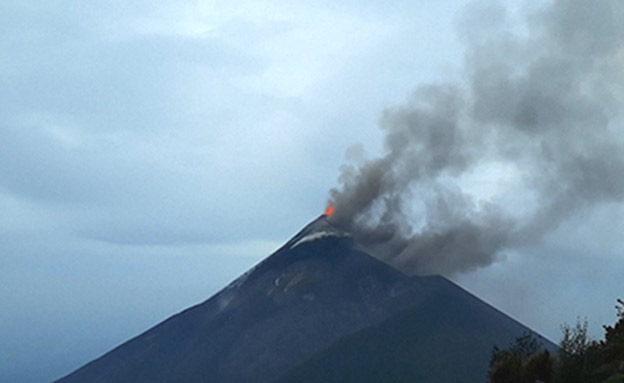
[[329, 210]]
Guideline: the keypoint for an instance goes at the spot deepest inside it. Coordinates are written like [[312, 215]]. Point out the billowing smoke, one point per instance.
[[530, 137]]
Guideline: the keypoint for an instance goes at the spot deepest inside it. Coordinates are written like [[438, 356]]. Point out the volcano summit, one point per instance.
[[318, 309]]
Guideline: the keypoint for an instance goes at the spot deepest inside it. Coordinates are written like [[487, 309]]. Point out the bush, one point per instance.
[[524, 362], [614, 338], [579, 360], [578, 355]]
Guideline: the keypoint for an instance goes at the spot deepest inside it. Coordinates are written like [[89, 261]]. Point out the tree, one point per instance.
[[579, 356], [614, 337], [525, 361], [539, 367]]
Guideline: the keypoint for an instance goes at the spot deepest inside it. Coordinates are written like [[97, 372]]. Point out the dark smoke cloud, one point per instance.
[[541, 101]]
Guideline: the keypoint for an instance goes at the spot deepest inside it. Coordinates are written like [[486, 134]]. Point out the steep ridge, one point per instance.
[[448, 337], [293, 304], [312, 296]]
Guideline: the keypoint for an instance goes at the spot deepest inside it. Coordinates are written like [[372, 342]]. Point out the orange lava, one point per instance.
[[329, 210]]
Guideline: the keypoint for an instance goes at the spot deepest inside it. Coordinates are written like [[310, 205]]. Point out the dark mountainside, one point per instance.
[[318, 309], [446, 338]]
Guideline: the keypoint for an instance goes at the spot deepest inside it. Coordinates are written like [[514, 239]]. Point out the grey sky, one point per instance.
[[151, 152], [536, 115]]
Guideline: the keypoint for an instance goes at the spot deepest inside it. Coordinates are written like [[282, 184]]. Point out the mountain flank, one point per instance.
[[318, 309]]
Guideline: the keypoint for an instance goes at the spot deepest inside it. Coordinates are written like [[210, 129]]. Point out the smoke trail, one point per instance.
[[538, 115]]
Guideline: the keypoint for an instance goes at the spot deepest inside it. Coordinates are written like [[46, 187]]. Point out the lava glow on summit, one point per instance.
[[329, 210]]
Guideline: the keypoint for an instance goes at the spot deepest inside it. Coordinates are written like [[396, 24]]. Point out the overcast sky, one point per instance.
[[151, 151]]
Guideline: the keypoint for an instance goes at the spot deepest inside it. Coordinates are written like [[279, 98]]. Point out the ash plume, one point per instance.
[[530, 137]]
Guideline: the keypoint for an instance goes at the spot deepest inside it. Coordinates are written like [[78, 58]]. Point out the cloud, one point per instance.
[[542, 104], [174, 123]]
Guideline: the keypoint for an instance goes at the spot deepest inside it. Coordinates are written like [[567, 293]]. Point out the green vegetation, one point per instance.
[[579, 359], [524, 362]]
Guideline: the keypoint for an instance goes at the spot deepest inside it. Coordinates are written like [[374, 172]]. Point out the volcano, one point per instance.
[[318, 309]]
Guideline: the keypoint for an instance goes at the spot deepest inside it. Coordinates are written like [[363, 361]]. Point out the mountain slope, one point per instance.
[[311, 300], [314, 290], [446, 338]]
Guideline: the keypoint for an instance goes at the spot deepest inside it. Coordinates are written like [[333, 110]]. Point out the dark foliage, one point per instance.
[[579, 360], [578, 355], [614, 337], [526, 361]]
